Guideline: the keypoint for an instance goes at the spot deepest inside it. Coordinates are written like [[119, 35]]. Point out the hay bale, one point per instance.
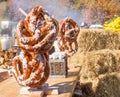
[[100, 62], [92, 40], [99, 75], [97, 39], [99, 57], [107, 85]]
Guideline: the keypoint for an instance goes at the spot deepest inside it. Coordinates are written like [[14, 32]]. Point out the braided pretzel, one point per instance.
[[68, 33], [35, 35]]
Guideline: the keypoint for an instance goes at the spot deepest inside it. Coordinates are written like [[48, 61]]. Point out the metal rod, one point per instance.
[[22, 11]]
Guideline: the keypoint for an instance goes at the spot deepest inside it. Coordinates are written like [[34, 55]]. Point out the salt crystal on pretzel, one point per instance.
[[35, 35]]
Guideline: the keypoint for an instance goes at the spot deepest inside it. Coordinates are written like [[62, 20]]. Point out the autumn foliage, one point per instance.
[[97, 11]]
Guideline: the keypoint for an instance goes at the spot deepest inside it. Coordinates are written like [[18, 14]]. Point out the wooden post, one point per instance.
[[22, 11]]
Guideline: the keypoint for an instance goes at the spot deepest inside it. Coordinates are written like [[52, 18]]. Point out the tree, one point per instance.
[[97, 11], [2, 0]]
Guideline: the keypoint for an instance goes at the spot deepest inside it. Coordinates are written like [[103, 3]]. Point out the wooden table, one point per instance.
[[10, 88]]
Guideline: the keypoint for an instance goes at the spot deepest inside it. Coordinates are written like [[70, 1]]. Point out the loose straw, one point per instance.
[[22, 11]]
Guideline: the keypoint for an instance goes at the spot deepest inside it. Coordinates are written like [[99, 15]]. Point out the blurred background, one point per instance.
[[98, 41], [88, 14]]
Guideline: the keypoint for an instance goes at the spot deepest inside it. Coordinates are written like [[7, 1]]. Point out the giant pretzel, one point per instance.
[[68, 33], [35, 35]]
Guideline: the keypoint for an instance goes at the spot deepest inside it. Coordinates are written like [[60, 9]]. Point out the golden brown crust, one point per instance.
[[68, 33], [35, 35]]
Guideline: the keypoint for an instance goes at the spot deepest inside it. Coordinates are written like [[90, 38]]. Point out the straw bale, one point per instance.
[[107, 85], [100, 73], [100, 62], [99, 57], [97, 39]]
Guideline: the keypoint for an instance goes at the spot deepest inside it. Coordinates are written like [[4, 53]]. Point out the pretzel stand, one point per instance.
[[35, 36], [68, 34]]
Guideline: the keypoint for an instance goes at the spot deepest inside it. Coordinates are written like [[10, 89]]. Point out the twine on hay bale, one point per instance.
[[97, 39], [100, 73]]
